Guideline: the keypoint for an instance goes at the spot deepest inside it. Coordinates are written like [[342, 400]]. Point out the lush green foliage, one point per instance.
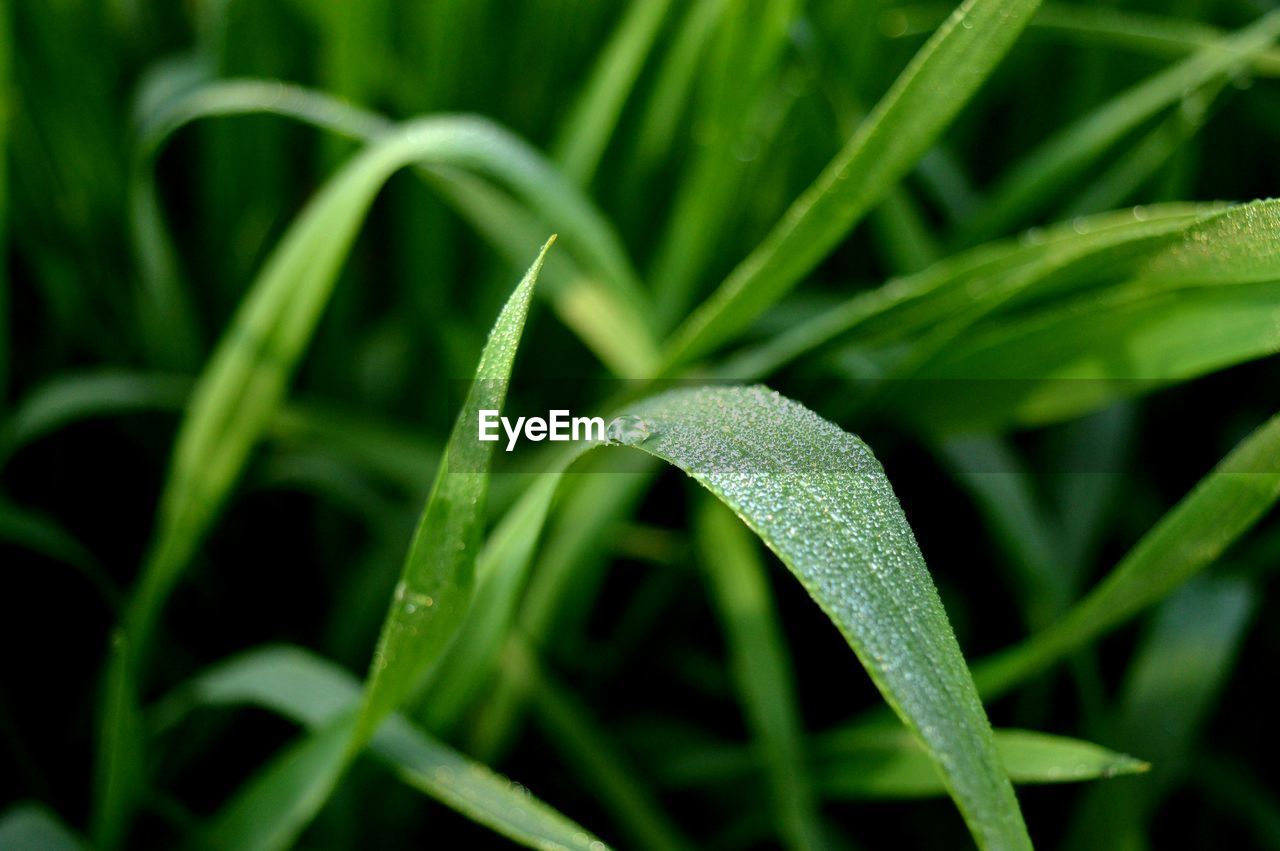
[[261, 278]]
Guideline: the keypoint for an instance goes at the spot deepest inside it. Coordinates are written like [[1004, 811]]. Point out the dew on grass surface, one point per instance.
[[628, 430]]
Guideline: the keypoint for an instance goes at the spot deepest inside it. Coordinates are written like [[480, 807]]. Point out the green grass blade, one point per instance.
[[761, 667], [589, 127], [1198, 304], [909, 306], [588, 748], [316, 693], [889, 764], [1217, 512], [30, 827], [1037, 177], [598, 296], [941, 78], [501, 570], [1180, 668], [435, 585], [271, 809], [119, 780], [818, 498]]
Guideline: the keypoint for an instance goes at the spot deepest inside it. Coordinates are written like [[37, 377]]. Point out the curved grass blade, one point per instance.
[[33, 828], [435, 585], [818, 498], [1218, 511], [940, 79], [605, 306], [761, 667], [1035, 179], [246, 378], [316, 694], [586, 133]]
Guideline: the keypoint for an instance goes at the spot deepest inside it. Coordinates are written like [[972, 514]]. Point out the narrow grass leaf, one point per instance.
[[119, 780], [316, 693], [1217, 512], [761, 667], [819, 499], [890, 764], [589, 127], [435, 586], [941, 78], [1035, 179]]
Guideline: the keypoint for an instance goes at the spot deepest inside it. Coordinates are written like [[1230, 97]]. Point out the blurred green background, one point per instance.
[[131, 238]]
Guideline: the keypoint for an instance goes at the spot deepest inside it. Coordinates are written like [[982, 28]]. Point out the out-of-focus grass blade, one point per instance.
[[1176, 675], [243, 383], [890, 764], [1037, 177], [885, 761], [119, 779], [604, 305], [761, 667], [909, 306], [38, 533], [586, 133], [1162, 36], [30, 827], [435, 586], [1199, 304], [819, 499], [940, 79], [271, 809], [588, 748], [1240, 793], [1221, 508], [6, 110], [316, 693], [393, 454]]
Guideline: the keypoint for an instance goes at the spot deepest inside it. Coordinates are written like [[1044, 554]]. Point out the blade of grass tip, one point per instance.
[[605, 305], [587, 746], [761, 667], [939, 80], [1180, 668], [32, 827], [586, 132], [316, 694], [887, 763], [819, 499], [119, 777], [1037, 177], [881, 761], [435, 585], [1217, 512]]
